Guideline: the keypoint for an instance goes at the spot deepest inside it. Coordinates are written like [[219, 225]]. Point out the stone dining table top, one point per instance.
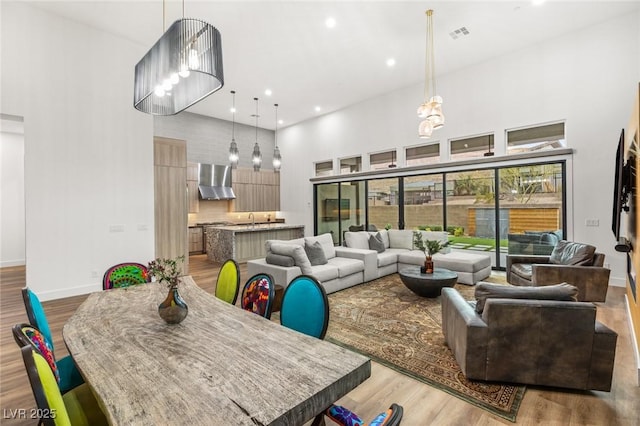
[[221, 365]]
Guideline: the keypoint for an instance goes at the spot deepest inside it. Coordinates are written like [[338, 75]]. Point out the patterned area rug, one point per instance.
[[385, 321]]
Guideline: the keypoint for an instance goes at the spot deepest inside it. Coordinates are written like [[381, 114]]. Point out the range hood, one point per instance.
[[215, 182]]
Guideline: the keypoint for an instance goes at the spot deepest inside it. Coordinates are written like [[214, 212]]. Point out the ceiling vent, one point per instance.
[[460, 32]]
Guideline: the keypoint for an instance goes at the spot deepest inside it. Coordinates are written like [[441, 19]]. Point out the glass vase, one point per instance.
[[173, 309]]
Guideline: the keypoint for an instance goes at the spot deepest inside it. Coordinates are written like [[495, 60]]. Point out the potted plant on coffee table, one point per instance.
[[429, 248]]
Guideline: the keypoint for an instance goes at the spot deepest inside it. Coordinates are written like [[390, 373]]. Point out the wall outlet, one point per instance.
[[142, 227], [592, 222]]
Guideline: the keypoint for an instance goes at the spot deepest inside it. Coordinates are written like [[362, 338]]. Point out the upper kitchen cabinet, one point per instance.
[[192, 187], [256, 191]]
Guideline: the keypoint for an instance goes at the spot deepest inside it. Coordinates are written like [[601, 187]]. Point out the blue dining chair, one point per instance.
[[228, 282], [305, 307], [70, 377], [258, 294], [77, 407]]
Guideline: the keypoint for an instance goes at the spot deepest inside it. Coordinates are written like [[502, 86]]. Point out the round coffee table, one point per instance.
[[427, 285]]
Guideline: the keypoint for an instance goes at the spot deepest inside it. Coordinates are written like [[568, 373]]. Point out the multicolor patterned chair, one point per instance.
[[305, 307], [345, 417], [125, 275], [68, 372], [77, 407], [258, 294], [228, 283]]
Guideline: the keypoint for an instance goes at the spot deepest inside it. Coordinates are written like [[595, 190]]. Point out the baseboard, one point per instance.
[[69, 291], [634, 342], [617, 282], [9, 263]]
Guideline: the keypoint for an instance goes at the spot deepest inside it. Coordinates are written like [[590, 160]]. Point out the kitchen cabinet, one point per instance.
[[192, 187], [196, 239], [256, 191], [170, 194]]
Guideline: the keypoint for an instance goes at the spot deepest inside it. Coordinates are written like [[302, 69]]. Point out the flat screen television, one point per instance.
[[620, 188]]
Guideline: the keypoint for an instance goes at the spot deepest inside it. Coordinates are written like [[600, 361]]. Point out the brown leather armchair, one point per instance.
[[557, 342], [574, 263]]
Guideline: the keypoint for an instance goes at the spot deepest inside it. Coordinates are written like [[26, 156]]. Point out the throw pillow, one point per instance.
[[562, 292], [279, 260], [315, 253], [375, 243], [326, 240], [570, 253], [297, 253]]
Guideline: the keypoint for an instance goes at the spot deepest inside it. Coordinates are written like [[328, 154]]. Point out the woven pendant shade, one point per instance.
[[182, 68]]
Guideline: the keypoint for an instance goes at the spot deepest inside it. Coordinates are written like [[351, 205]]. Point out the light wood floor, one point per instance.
[[423, 404]]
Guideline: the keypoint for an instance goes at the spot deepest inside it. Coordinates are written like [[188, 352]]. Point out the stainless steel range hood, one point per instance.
[[215, 182]]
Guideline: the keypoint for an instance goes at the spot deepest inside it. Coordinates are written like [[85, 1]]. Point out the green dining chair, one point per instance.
[[125, 275], [228, 283], [305, 307], [70, 377], [77, 407]]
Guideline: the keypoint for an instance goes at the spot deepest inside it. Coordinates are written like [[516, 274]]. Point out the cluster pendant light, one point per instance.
[[234, 154], [431, 109], [183, 67], [277, 158], [256, 157]]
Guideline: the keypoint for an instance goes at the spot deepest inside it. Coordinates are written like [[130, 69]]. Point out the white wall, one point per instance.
[[11, 191], [587, 78], [88, 152]]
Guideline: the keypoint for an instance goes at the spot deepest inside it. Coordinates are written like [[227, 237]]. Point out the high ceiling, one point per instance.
[[287, 48]]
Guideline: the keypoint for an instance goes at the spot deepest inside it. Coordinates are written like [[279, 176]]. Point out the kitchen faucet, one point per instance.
[[253, 220]]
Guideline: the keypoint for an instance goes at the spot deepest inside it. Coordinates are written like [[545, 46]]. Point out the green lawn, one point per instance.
[[476, 240]]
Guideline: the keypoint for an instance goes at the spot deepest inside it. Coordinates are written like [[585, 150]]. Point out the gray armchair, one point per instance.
[[539, 342], [574, 263]]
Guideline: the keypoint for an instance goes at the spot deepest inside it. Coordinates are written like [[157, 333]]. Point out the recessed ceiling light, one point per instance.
[[268, 92], [537, 2], [318, 109], [391, 62], [232, 109], [330, 22], [280, 122]]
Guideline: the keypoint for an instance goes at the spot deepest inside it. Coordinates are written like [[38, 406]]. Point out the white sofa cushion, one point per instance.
[[462, 261], [387, 257], [296, 252], [347, 266], [413, 257], [401, 239], [326, 240], [359, 240], [297, 241], [326, 272], [441, 236]]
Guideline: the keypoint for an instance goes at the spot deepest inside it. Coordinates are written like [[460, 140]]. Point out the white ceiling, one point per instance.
[[286, 47]]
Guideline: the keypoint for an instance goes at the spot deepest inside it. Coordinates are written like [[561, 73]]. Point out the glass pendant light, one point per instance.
[[163, 81], [256, 157], [277, 158], [234, 154], [431, 108]]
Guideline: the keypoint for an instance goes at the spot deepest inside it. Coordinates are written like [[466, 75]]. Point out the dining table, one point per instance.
[[221, 365]]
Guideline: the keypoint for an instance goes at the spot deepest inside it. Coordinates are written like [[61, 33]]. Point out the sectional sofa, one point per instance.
[[362, 259]]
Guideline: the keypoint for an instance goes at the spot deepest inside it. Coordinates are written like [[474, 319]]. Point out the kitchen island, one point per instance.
[[246, 242]]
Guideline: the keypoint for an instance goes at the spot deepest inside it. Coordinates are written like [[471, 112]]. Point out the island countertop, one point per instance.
[[246, 242]]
